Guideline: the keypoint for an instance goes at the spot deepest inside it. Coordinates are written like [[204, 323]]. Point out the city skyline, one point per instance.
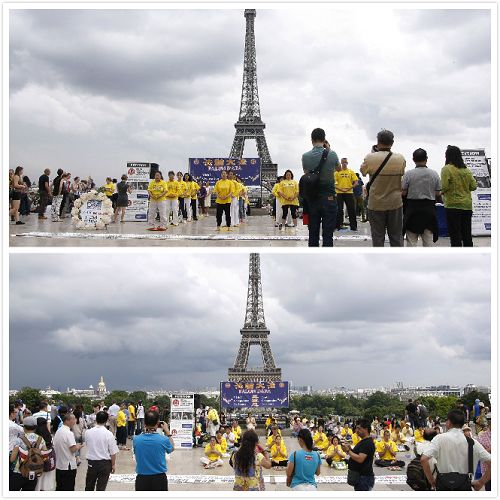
[[135, 87], [143, 320]]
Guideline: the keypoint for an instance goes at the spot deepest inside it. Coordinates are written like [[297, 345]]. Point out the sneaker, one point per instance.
[[280, 226], [288, 225], [276, 225], [19, 222], [175, 224]]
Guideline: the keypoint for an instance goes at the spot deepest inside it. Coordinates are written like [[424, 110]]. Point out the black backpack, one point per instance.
[[309, 183], [415, 476]]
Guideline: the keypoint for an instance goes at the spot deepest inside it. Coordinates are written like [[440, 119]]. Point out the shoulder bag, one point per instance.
[[375, 175], [455, 481], [309, 182]]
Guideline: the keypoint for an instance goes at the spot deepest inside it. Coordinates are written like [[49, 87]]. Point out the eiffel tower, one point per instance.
[[250, 124], [254, 332]]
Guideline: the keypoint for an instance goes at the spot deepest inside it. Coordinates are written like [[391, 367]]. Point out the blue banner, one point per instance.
[[254, 395], [209, 169]]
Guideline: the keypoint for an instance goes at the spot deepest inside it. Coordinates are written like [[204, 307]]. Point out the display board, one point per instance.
[[475, 159], [209, 169], [138, 199], [254, 394], [182, 420]]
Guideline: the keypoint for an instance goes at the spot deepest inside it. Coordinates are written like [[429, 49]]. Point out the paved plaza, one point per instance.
[[258, 231], [186, 473]]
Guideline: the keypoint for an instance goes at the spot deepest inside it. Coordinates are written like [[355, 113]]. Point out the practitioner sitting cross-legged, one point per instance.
[[320, 440], [387, 450], [335, 456], [278, 453], [213, 454]]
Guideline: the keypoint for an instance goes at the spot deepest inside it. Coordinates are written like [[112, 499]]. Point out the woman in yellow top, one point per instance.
[[235, 196], [355, 439], [335, 455], [221, 441], [223, 190], [195, 187], [275, 432], [157, 190], [121, 428], [182, 195], [172, 198], [288, 191], [109, 188], [213, 455], [387, 450], [187, 198], [398, 437], [236, 430], [346, 432], [278, 453], [279, 201], [419, 435], [320, 440]]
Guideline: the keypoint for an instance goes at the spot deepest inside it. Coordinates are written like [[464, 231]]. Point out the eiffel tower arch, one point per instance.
[[250, 124], [254, 332]]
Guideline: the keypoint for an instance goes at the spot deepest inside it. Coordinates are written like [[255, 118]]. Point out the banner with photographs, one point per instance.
[[182, 420], [475, 159], [138, 200], [209, 169], [254, 395]]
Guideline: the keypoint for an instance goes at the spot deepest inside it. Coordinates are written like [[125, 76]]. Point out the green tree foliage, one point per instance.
[[116, 396], [29, 396], [138, 396], [439, 406], [468, 399], [380, 404]]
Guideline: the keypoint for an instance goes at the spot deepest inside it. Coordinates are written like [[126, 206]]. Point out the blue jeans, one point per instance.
[[365, 483], [322, 212]]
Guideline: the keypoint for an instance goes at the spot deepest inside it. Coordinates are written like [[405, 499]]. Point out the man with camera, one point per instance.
[[149, 450]]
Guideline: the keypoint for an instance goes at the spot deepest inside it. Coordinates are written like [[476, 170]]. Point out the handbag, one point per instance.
[[50, 461], [370, 182], [353, 477], [309, 182], [289, 479], [455, 481]]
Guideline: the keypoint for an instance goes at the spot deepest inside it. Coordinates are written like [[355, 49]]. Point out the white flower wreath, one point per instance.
[[107, 212]]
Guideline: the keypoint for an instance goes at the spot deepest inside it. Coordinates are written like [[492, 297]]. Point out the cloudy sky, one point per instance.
[[93, 89], [173, 321]]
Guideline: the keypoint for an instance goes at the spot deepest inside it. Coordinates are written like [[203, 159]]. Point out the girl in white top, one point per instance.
[[251, 423]]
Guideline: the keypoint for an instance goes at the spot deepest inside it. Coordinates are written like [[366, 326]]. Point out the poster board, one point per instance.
[[138, 199], [254, 394], [182, 420]]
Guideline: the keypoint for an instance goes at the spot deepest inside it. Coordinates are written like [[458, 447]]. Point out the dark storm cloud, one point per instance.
[[150, 321]]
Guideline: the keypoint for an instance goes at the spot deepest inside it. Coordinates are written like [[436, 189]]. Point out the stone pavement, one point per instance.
[[186, 473], [259, 231]]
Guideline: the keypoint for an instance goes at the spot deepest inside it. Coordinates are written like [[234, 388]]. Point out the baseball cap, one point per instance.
[[29, 422]]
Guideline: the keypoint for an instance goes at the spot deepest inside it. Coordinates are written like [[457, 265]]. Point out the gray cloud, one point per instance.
[[150, 321]]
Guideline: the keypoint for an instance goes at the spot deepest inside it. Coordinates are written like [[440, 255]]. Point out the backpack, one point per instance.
[[422, 411], [34, 463], [415, 476], [309, 183]]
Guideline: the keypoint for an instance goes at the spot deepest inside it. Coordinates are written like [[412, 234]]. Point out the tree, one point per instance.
[[116, 396], [138, 396], [380, 404], [30, 397], [208, 401], [470, 398], [439, 406]]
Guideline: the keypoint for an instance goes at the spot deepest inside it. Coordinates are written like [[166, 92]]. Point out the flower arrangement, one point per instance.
[[107, 211]]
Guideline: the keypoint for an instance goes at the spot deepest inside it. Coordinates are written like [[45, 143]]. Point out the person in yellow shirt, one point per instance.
[[182, 193], [195, 187], [320, 441], [223, 190], [157, 190], [109, 188], [121, 428], [187, 198], [345, 180], [346, 432], [213, 421], [278, 453], [275, 432], [279, 201], [172, 198], [399, 438], [288, 191], [234, 198], [131, 419], [236, 430], [387, 450], [242, 201], [222, 442], [335, 455], [355, 439], [268, 424], [213, 455], [419, 435], [407, 430]]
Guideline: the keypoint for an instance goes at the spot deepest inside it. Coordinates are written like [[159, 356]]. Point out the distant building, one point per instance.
[[101, 388]]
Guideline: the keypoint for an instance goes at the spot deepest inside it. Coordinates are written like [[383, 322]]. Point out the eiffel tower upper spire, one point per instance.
[[254, 316]]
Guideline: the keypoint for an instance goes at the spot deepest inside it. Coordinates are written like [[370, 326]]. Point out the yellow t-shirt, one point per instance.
[[355, 439], [270, 439], [172, 190], [131, 413], [386, 455], [223, 444], [121, 419], [194, 189], [282, 454], [344, 180], [237, 433], [274, 192], [185, 189], [345, 432], [222, 189], [109, 189], [320, 440], [289, 188], [155, 189], [209, 452], [268, 422], [419, 436], [213, 415], [331, 451], [398, 437]]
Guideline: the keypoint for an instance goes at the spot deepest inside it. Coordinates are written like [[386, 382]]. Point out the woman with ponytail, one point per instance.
[[303, 464]]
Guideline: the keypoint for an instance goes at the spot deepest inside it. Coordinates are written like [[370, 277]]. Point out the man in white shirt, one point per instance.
[[65, 448], [43, 411], [450, 450], [15, 430], [112, 414], [101, 454], [140, 417]]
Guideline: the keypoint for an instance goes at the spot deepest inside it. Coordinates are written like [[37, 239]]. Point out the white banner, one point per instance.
[[182, 420], [475, 159], [138, 179]]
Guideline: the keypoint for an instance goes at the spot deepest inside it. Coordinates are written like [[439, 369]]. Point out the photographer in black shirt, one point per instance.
[[360, 466]]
